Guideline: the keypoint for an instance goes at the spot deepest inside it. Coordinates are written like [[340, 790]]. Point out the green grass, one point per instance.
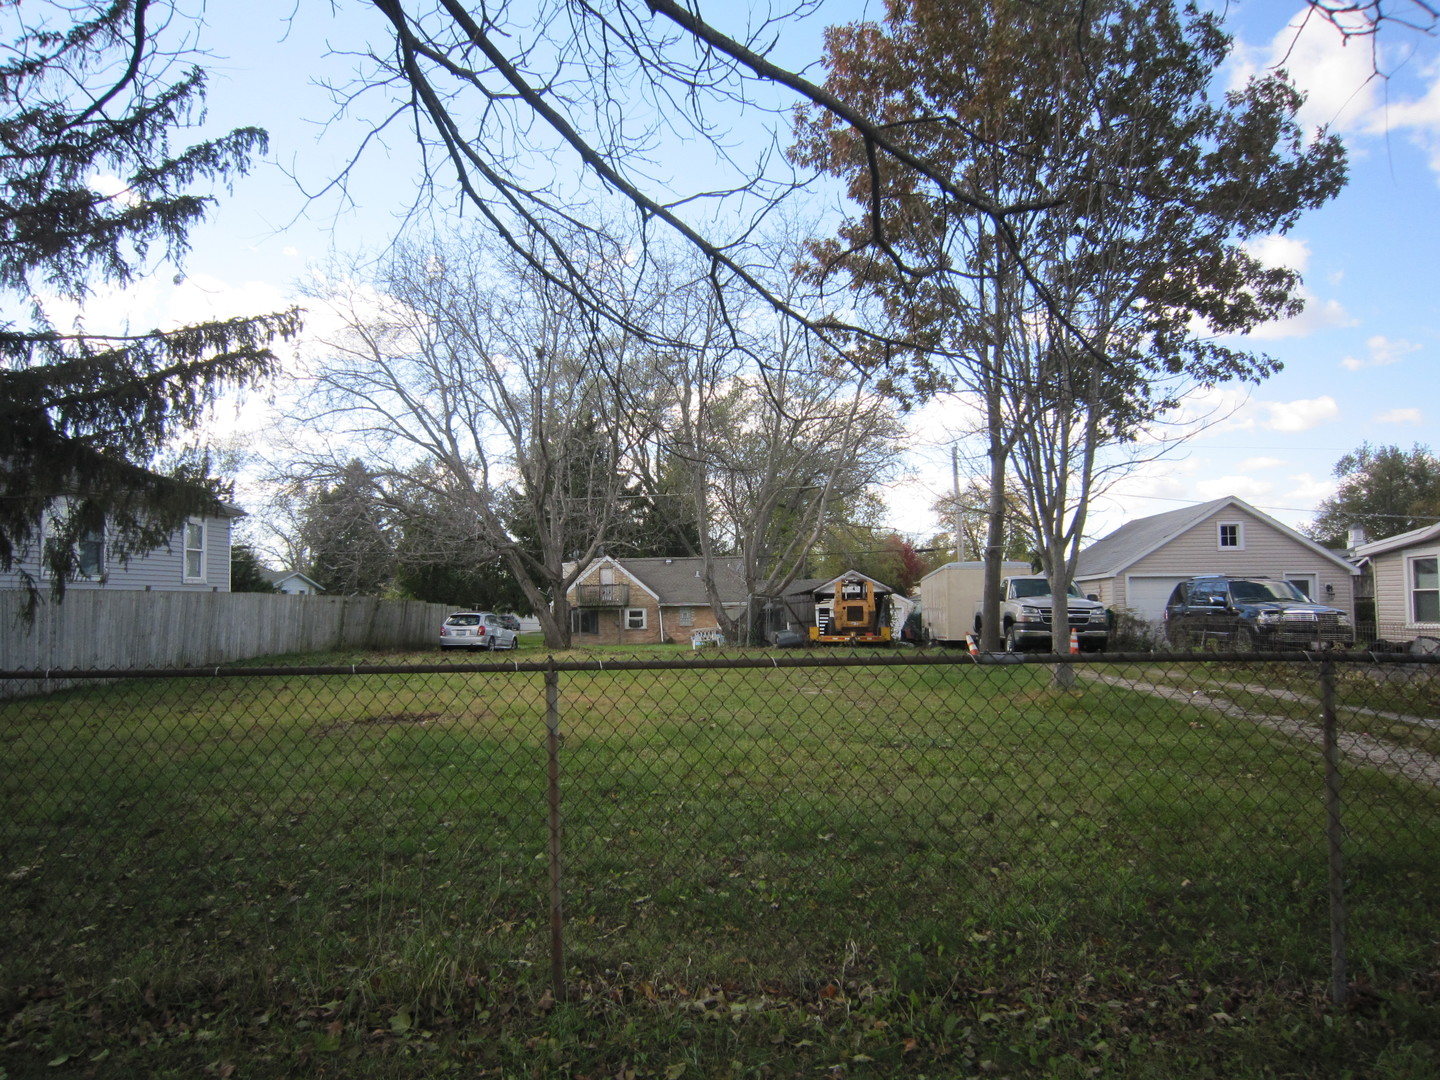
[[938, 871], [1398, 702]]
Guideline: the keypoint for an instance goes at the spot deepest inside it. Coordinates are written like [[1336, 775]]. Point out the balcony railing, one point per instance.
[[590, 596]]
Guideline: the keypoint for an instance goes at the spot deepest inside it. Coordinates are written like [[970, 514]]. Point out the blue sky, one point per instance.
[[1360, 364]]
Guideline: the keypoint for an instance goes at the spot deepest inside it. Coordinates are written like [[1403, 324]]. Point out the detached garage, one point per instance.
[[1138, 565]]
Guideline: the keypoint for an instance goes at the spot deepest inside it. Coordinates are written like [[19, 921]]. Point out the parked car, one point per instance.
[[510, 621], [1251, 613], [477, 630]]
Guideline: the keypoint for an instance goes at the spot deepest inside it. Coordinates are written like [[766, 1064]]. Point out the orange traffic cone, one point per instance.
[[1074, 642], [974, 648]]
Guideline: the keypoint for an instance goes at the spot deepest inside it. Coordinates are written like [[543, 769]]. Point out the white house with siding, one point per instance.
[[1406, 574], [293, 583], [196, 559], [1138, 565]]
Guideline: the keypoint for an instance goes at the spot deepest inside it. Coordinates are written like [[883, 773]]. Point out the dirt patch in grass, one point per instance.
[[405, 719]]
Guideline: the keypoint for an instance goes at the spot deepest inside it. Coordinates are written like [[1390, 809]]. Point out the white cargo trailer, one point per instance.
[[948, 597]]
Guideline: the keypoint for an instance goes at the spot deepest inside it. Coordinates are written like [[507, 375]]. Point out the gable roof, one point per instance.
[[679, 581], [1421, 535], [275, 577], [1112, 555], [826, 586]]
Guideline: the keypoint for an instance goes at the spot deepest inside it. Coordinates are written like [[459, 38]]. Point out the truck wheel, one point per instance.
[[1244, 639], [1012, 639]]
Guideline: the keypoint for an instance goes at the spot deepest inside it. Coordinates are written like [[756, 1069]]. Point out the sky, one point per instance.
[[1359, 364]]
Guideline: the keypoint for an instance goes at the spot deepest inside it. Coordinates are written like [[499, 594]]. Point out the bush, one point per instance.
[[1132, 632]]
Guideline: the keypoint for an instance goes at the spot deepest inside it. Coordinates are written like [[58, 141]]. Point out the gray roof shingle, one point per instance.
[[1113, 554], [679, 581]]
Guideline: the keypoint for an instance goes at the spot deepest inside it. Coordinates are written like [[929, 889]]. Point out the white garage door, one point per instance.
[[1146, 595]]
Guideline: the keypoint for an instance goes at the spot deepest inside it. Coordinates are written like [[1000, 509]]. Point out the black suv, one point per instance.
[[1251, 613]]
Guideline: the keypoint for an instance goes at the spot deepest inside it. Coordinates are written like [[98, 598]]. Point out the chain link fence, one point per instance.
[[886, 819]]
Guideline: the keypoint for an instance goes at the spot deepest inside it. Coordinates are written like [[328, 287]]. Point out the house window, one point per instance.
[[635, 618], [1425, 590], [90, 553], [1305, 583], [89, 547], [584, 621], [687, 616], [1232, 536], [194, 551]]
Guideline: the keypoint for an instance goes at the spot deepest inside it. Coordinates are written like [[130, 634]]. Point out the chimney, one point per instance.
[[1357, 536]]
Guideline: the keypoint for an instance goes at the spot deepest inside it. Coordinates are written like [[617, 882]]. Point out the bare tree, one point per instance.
[[786, 451], [527, 113], [525, 410], [773, 436], [1364, 18], [348, 543]]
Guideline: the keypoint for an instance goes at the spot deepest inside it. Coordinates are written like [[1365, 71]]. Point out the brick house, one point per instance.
[[645, 601]]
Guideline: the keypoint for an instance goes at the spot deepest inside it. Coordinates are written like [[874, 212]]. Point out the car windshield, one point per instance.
[[1040, 587], [462, 620], [1251, 591]]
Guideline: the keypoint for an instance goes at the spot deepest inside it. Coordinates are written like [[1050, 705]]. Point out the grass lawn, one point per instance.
[[868, 871]]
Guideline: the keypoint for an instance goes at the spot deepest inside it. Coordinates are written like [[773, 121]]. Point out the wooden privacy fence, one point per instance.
[[128, 630]]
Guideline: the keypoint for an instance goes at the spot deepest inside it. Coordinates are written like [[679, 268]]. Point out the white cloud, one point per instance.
[[113, 187], [1151, 489], [1400, 416], [1207, 413], [1301, 415], [1308, 489], [1229, 409], [1336, 74], [1289, 251], [1383, 351], [1353, 86], [1281, 251], [1318, 315], [1246, 487], [159, 301], [1255, 464]]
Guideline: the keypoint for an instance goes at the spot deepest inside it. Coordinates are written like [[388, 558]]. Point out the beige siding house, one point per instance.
[[1138, 565], [1406, 572]]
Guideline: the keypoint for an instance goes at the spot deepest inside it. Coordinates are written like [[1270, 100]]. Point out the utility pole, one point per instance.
[[955, 488]]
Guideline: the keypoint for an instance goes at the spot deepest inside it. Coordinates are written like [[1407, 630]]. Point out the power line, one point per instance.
[[1277, 509]]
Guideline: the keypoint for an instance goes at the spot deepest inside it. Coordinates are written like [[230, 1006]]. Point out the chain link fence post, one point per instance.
[[557, 920], [1334, 830]]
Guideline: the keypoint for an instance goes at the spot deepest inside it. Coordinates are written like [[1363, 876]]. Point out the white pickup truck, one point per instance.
[[1025, 607]]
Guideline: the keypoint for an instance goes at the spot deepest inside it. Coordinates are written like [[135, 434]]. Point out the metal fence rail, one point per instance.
[[763, 814]]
